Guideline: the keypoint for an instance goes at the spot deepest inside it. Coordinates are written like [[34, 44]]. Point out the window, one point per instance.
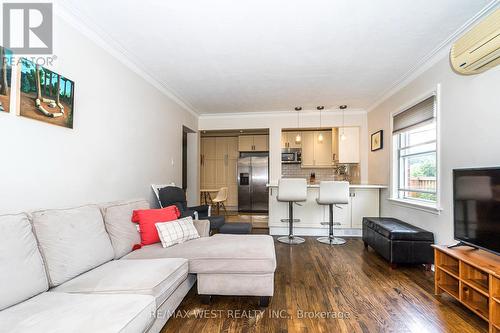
[[415, 154]]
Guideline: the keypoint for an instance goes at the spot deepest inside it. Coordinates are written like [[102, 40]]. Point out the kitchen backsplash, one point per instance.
[[295, 171]]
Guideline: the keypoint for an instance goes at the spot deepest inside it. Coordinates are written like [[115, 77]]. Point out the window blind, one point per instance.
[[417, 115]]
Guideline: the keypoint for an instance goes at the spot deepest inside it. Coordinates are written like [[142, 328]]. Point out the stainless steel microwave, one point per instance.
[[291, 155]]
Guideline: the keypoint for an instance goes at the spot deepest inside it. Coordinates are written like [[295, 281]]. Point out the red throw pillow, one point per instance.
[[146, 218]]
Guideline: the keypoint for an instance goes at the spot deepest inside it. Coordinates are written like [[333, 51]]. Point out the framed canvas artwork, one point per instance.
[[5, 78], [45, 95]]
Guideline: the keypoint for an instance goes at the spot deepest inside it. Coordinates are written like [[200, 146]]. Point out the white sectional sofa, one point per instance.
[[71, 270]]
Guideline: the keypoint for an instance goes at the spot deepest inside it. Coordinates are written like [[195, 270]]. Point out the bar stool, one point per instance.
[[332, 193], [291, 190]]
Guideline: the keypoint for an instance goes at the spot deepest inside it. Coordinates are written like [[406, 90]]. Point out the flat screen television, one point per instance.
[[476, 204]]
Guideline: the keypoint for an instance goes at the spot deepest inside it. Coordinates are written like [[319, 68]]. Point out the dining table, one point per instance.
[[205, 195]]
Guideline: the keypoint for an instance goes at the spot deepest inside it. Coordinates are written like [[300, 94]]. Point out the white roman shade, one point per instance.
[[417, 115]]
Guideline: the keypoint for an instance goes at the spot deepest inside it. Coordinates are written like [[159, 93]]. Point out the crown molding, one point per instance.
[[325, 112], [78, 21], [440, 52]]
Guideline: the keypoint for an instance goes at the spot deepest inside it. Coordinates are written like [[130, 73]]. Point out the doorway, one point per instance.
[[237, 159], [189, 165]]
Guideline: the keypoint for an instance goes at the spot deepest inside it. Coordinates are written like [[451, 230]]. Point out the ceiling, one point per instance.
[[267, 55]]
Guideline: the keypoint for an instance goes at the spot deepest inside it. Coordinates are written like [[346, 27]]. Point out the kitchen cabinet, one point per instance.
[[208, 147], [323, 149], [245, 143], [253, 143], [288, 140], [364, 202], [261, 142], [307, 149], [314, 152], [349, 147], [219, 161], [341, 214], [207, 162], [335, 144]]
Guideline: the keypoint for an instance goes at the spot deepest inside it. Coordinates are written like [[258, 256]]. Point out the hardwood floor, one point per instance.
[[353, 289], [259, 221]]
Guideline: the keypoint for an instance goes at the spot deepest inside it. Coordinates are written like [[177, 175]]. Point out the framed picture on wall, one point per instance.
[[377, 140]]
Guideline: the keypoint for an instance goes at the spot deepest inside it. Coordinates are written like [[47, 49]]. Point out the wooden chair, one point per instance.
[[220, 199]]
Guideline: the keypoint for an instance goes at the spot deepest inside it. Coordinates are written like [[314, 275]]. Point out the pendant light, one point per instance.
[[320, 136], [342, 136], [298, 138]]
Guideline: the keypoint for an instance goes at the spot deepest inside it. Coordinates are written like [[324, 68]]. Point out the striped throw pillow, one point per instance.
[[176, 232]]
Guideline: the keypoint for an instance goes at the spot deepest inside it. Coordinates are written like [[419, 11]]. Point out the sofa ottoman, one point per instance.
[[398, 242], [239, 265]]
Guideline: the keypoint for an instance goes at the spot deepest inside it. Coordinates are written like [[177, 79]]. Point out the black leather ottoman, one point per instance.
[[236, 228], [398, 242]]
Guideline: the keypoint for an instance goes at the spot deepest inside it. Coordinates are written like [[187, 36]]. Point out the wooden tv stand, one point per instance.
[[472, 277]]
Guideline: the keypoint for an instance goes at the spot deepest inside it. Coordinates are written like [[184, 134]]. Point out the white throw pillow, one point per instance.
[[176, 232]]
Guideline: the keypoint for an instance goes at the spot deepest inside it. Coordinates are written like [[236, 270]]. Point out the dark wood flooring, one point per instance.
[[353, 289]]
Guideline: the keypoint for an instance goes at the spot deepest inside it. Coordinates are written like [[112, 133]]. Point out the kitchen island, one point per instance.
[[364, 200]]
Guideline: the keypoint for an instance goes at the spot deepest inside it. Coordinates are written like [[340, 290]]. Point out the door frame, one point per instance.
[[185, 131]]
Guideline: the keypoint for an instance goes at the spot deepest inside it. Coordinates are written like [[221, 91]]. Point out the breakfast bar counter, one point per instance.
[[316, 185], [364, 200]]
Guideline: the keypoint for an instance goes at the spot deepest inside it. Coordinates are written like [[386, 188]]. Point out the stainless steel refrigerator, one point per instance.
[[253, 175]]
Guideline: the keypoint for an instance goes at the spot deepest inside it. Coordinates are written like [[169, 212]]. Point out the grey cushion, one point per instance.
[[167, 309], [158, 278], [203, 227], [22, 271], [122, 231], [218, 254], [236, 228], [72, 241], [59, 312]]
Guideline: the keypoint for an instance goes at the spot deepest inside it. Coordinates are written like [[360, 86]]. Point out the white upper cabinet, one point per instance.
[[307, 149], [323, 149], [288, 140], [349, 147], [335, 144], [315, 152]]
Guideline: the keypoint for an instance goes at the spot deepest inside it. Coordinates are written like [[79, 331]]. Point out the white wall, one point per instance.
[[276, 121], [470, 136], [126, 135]]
